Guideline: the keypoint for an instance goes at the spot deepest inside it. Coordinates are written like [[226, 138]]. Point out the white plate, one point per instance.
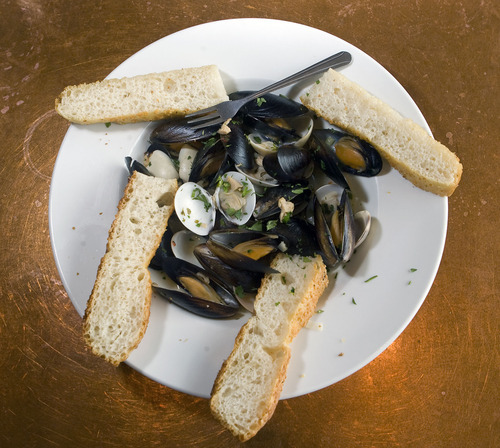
[[184, 351]]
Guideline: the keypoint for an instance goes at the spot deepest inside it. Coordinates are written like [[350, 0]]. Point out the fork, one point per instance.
[[228, 109]]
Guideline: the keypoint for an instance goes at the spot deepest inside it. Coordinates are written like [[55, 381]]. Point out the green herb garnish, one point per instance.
[[199, 196]]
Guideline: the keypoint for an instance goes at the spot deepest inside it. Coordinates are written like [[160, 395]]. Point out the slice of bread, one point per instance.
[[248, 386], [117, 312], [143, 97], [422, 160]]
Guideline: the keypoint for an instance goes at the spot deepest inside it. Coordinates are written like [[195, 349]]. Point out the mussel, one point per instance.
[[133, 165], [334, 221], [243, 249], [351, 154], [177, 130], [234, 278], [269, 106], [267, 205], [201, 293], [290, 163]]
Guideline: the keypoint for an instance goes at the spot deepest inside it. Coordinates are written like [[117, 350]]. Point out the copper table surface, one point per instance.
[[437, 385]]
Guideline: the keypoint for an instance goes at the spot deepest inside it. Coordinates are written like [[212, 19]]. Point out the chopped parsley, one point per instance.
[[199, 196], [371, 278], [260, 101]]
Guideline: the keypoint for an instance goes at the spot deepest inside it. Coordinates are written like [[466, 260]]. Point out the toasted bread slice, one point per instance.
[[143, 97], [422, 160], [117, 312], [248, 386]]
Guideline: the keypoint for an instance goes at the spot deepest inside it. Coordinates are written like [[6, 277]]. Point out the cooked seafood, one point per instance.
[[250, 189]]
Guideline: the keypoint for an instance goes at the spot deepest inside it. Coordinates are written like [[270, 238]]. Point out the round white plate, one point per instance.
[[184, 351]]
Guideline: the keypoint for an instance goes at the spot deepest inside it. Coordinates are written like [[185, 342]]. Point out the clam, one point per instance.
[[184, 242], [235, 197], [195, 208]]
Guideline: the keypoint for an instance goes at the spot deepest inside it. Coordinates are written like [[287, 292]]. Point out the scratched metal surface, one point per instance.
[[436, 386]]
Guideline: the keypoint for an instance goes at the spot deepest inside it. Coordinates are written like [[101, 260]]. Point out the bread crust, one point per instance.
[[104, 272], [421, 159], [140, 98], [316, 284]]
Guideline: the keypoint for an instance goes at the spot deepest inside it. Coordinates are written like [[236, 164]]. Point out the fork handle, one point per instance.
[[335, 61]]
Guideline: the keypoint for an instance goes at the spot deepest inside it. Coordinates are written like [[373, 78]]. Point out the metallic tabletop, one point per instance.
[[437, 385]]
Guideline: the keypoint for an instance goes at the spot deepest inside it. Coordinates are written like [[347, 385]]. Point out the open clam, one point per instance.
[[235, 197], [195, 208]]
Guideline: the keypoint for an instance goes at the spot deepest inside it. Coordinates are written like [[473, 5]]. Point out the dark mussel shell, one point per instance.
[[196, 305], [164, 250], [208, 161], [233, 278], [289, 163], [331, 253], [233, 237], [269, 105], [177, 130], [133, 165], [267, 205], [238, 148], [299, 237], [268, 130], [177, 269], [324, 159], [350, 153], [237, 260]]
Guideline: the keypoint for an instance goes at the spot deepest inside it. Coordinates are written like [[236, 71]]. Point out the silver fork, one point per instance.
[[228, 109]]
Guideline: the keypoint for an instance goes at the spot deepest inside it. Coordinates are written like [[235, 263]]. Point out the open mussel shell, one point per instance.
[[335, 228], [239, 260], [177, 130], [269, 105], [289, 163], [196, 305], [350, 153], [201, 293], [248, 281], [208, 161]]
